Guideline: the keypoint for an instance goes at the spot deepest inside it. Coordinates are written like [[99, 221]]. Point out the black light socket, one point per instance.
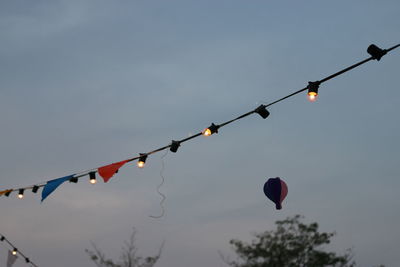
[[174, 146], [73, 180], [35, 188], [262, 111], [313, 86], [213, 128], [376, 52]]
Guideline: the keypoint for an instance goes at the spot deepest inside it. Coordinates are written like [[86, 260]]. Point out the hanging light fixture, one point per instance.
[[174, 146], [142, 160], [262, 111], [27, 260], [8, 193], [14, 252], [313, 90], [2, 238], [210, 130], [21, 193], [92, 177]]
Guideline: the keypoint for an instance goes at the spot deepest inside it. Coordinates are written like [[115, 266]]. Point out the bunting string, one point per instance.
[[13, 254], [108, 171]]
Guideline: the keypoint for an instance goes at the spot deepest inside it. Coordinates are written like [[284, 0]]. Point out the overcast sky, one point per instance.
[[87, 83]]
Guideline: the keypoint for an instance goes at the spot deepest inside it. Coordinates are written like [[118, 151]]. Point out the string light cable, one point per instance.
[[163, 197], [374, 51], [16, 251]]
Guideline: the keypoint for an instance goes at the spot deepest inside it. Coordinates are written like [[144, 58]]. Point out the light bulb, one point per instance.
[[207, 132], [313, 90], [92, 177], [14, 252], [21, 193], [211, 130], [142, 160], [312, 96]]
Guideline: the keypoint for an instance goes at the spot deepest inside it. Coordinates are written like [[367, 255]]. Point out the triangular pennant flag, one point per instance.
[[11, 258], [5, 191], [108, 171], [53, 184]]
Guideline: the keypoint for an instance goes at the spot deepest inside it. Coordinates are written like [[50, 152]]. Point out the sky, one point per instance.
[[88, 83]]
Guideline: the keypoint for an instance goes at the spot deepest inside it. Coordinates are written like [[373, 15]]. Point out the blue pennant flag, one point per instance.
[[53, 184]]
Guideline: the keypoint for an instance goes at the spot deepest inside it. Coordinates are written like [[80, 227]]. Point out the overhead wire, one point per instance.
[[375, 52], [17, 251]]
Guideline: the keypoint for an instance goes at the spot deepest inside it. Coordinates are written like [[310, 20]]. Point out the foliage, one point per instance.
[[129, 256], [292, 244]]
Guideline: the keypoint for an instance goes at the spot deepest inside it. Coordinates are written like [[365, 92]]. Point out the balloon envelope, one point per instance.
[[276, 190]]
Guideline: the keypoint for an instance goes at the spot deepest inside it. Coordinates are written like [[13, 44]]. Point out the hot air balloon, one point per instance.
[[276, 190]]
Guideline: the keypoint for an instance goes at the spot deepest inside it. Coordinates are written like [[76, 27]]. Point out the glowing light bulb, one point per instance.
[[207, 132], [210, 130], [312, 96], [92, 177], [14, 252], [313, 90], [142, 160], [21, 193]]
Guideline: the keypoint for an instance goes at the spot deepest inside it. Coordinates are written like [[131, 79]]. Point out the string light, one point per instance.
[[92, 177], [15, 251], [73, 180], [35, 188], [375, 52], [174, 146], [313, 91], [21, 193], [211, 130], [142, 160], [262, 111]]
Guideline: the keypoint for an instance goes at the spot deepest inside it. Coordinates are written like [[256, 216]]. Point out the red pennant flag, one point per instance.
[[108, 171]]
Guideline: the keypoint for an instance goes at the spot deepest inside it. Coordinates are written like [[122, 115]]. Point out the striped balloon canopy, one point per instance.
[[276, 190]]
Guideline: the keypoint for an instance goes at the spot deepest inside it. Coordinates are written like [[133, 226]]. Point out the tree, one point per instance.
[[129, 257], [292, 244]]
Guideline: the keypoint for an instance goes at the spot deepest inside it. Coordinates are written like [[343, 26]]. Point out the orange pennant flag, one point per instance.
[[5, 191], [108, 171]]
